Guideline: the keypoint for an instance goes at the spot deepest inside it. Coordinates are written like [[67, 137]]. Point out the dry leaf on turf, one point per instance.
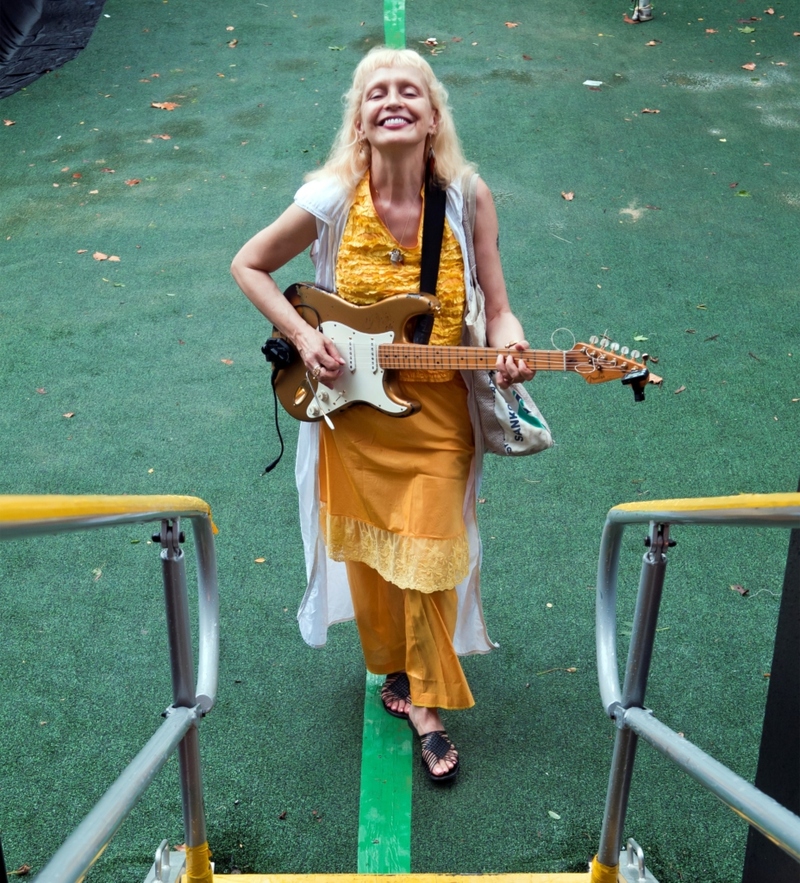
[[735, 587], [750, 66], [650, 110], [512, 24], [568, 195], [226, 361], [164, 105], [9, 122], [132, 182], [680, 389], [163, 137], [99, 256]]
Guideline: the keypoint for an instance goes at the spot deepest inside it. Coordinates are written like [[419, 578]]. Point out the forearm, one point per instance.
[[263, 292], [503, 329]]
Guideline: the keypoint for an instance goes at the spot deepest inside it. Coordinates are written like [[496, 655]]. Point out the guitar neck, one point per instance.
[[408, 356]]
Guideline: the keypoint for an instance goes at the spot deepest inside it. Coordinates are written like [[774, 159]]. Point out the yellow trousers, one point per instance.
[[410, 631]]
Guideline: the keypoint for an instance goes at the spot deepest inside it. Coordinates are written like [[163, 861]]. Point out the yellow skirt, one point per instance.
[[392, 488]]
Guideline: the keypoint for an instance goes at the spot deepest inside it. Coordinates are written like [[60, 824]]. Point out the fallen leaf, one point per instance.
[[527, 58], [750, 66], [640, 338], [691, 331], [769, 11], [336, 48], [779, 63], [569, 196], [132, 182], [740, 589], [743, 193], [226, 361], [94, 192], [553, 815], [512, 24], [114, 258], [230, 28], [713, 337], [108, 171], [680, 389], [653, 43], [99, 256], [711, 31], [282, 816], [82, 251], [41, 390], [9, 122], [457, 40], [163, 137], [431, 41], [650, 110], [69, 415], [164, 105], [747, 30], [767, 674], [233, 44], [21, 871], [733, 185], [701, 307], [260, 560]]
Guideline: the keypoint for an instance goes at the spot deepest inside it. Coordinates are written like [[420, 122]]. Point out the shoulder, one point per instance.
[[323, 197]]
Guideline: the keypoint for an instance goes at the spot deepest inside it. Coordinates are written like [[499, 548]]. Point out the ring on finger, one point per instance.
[[317, 370]]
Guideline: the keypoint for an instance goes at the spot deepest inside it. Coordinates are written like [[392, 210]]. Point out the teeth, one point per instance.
[[394, 120]]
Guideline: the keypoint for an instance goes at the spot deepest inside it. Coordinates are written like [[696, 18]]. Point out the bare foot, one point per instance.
[[439, 754]]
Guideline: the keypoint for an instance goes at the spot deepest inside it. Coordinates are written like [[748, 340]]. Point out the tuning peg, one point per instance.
[[594, 340], [635, 354], [604, 342], [624, 351], [614, 347]]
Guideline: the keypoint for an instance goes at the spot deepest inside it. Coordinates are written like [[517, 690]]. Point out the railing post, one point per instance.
[[640, 652], [183, 690]]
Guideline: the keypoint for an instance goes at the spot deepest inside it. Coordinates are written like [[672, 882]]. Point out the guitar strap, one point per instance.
[[432, 233]]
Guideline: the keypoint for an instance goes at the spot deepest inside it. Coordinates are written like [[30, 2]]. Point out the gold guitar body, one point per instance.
[[357, 331]]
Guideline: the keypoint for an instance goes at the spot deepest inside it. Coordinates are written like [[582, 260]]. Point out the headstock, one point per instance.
[[603, 360]]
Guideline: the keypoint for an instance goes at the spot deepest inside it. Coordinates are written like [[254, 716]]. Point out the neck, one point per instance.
[[398, 178]]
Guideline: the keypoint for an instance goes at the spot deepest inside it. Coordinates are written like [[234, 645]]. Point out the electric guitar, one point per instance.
[[375, 342]]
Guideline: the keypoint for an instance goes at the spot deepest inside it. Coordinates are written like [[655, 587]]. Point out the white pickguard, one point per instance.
[[362, 378]]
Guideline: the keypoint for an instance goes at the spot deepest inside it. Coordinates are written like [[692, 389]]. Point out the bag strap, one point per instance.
[[432, 233]]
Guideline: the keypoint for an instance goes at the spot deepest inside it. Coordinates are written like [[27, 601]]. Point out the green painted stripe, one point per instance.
[[384, 818], [394, 23]]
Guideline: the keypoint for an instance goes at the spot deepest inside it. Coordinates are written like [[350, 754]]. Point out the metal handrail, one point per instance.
[[26, 516], [624, 704]]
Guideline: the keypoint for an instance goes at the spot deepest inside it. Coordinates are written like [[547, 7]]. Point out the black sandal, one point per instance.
[[396, 689], [436, 745]]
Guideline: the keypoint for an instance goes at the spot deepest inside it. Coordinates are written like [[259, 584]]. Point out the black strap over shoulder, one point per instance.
[[432, 233]]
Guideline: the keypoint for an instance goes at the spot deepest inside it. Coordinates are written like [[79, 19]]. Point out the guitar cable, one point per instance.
[[278, 352]]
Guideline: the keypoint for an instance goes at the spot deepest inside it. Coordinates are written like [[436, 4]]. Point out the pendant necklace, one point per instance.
[[396, 255]]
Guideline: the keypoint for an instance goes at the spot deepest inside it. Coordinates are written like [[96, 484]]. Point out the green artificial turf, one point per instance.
[[682, 231]]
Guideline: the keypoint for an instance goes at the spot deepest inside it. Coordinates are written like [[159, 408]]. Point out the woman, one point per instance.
[[388, 504]]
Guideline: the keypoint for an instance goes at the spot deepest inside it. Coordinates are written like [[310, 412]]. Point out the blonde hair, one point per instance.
[[349, 157]]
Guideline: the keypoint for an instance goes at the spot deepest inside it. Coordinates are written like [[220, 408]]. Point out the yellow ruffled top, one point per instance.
[[365, 273]]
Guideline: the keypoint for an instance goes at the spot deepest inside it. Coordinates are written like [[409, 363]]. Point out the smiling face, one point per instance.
[[396, 110]]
